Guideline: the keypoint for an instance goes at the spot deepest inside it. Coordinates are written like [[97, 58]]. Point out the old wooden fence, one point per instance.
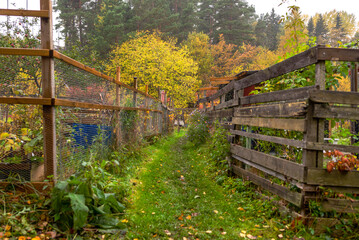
[[73, 103], [301, 111]]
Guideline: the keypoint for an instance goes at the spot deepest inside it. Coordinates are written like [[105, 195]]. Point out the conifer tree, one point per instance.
[[321, 30]]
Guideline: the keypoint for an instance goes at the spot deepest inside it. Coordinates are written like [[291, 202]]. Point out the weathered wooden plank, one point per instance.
[[293, 109], [337, 205], [216, 79], [221, 113], [325, 146], [338, 54], [283, 95], [298, 61], [229, 103], [281, 191], [25, 52], [25, 100], [229, 87], [227, 126], [335, 178], [279, 140], [25, 13], [278, 123], [70, 103], [324, 96], [282, 166], [326, 111], [219, 83], [208, 88], [264, 169]]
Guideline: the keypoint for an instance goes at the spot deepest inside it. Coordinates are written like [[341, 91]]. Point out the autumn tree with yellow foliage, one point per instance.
[[159, 63]]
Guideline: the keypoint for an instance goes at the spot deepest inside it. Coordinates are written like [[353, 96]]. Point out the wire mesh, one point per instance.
[[20, 76], [75, 84], [21, 142]]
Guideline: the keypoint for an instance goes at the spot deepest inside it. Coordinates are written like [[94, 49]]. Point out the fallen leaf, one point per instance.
[[204, 193], [251, 236], [223, 233], [189, 217], [242, 235], [280, 235], [153, 213], [168, 232], [180, 217], [241, 209], [215, 211], [124, 220], [209, 231]]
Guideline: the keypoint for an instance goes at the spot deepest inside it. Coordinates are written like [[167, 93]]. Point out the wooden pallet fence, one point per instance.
[[302, 110]]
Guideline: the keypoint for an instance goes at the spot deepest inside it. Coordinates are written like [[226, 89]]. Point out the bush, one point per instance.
[[219, 146], [198, 129]]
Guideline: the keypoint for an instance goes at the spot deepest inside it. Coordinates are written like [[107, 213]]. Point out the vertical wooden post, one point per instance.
[[135, 93], [314, 132], [48, 91], [354, 125], [147, 112], [118, 102], [165, 115]]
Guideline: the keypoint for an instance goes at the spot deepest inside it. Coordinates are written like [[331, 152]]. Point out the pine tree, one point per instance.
[[260, 32], [234, 19], [267, 31], [310, 27], [207, 17], [338, 32], [273, 30], [321, 30]]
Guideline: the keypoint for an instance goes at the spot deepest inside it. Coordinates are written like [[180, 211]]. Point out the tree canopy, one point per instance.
[[157, 63]]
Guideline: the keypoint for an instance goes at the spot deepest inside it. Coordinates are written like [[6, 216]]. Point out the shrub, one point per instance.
[[198, 129]]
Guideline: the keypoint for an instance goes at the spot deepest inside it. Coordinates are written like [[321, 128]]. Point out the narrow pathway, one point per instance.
[[175, 197]]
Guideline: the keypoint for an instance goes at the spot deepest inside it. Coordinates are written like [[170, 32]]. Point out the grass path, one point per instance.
[[175, 197]]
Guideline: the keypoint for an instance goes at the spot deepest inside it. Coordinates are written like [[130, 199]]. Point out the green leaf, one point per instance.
[[25, 138], [115, 205], [80, 210]]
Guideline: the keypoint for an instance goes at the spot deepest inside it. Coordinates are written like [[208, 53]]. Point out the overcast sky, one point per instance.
[[308, 7]]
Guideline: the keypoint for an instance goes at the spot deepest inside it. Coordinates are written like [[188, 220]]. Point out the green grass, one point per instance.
[[175, 195]]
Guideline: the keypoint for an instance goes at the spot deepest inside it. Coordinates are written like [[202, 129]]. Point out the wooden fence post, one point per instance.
[[48, 91], [314, 132], [147, 113], [118, 102], [135, 93], [354, 124]]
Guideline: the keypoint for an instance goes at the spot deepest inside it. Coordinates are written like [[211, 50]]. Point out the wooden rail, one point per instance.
[[25, 13]]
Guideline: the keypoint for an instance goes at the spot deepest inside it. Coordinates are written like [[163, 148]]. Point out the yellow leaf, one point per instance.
[[215, 211], [209, 231], [189, 217], [4, 135], [124, 220], [7, 228]]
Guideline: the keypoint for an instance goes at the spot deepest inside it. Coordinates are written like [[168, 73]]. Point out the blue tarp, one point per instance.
[[85, 134]]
